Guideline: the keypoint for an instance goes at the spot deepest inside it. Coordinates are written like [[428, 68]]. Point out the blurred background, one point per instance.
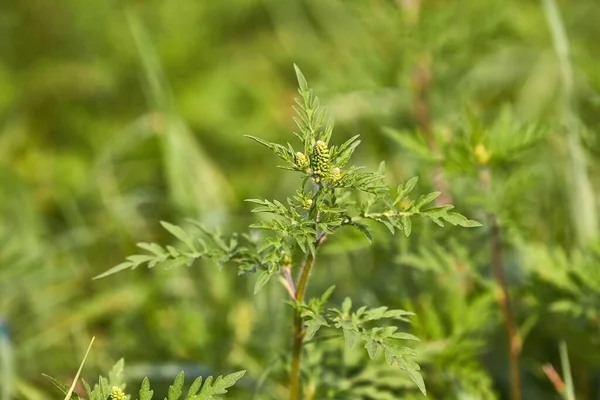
[[115, 115]]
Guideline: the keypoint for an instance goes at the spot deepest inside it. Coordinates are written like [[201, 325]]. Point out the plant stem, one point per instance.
[[514, 344], [298, 334], [421, 110]]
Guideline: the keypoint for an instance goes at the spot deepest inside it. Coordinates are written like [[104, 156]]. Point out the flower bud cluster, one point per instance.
[[302, 161], [117, 394], [320, 161], [318, 165]]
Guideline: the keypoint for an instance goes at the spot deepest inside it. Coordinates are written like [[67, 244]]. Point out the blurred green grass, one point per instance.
[[115, 115]]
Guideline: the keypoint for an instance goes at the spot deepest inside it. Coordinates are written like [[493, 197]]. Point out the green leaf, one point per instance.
[[407, 224], [347, 305], [416, 377], [118, 268], [176, 388], [350, 336], [153, 248], [263, 278], [220, 386], [194, 388], [457, 219], [88, 389], [62, 387], [327, 293], [139, 259], [426, 199], [145, 393], [313, 326], [180, 234], [371, 347], [301, 79], [405, 336], [115, 375], [364, 230]]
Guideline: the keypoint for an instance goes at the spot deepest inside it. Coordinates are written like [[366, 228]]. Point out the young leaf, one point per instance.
[[62, 387], [364, 230], [145, 393], [176, 388], [220, 386], [118, 268], [179, 234], [263, 278]]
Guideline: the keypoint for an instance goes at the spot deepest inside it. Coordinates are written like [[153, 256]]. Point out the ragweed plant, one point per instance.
[[113, 387], [333, 194]]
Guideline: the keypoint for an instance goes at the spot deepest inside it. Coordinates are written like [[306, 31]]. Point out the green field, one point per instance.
[[115, 116]]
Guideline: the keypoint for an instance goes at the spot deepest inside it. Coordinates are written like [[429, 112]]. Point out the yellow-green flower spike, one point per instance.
[[320, 161], [302, 161], [335, 174], [117, 394]]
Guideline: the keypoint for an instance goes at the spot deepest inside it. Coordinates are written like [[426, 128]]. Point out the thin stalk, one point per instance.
[[421, 111], [514, 343], [298, 334], [583, 202], [569, 391]]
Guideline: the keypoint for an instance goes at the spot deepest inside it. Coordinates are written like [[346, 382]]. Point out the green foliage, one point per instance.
[[356, 328], [114, 118], [113, 386], [199, 390], [332, 195]]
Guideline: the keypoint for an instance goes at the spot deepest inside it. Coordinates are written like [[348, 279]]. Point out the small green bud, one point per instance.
[[302, 161], [117, 394], [320, 161], [335, 174], [286, 259], [307, 204]]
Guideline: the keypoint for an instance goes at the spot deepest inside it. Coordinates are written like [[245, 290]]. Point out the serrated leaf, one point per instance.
[[176, 388], [115, 375], [88, 389], [145, 393], [371, 347], [375, 313], [350, 337], [263, 278], [220, 386], [312, 327], [194, 388]]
